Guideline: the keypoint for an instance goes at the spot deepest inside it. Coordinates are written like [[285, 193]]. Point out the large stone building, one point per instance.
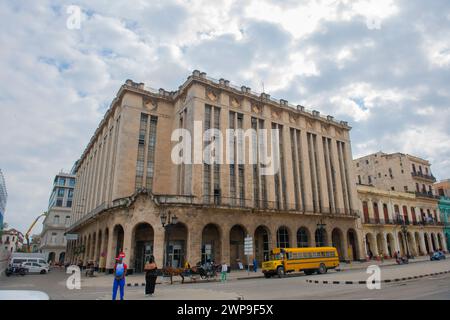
[[11, 240], [398, 203], [52, 240], [127, 180], [396, 172], [390, 217]]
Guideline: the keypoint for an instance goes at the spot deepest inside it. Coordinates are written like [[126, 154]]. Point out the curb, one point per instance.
[[383, 281]]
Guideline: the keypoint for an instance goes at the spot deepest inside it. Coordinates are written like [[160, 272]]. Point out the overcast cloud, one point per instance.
[[384, 66]]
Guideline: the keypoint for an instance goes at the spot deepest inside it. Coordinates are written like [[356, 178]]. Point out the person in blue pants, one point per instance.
[[120, 270]]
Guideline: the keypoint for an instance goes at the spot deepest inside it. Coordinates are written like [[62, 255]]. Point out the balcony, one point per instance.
[[423, 176], [424, 194]]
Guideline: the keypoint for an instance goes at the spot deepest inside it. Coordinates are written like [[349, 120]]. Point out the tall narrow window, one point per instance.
[[232, 150], [141, 152], [216, 166], [261, 152], [241, 183], [151, 152], [206, 166], [255, 163]]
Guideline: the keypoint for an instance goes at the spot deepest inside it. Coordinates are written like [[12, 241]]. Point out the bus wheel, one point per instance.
[[322, 269], [280, 272]]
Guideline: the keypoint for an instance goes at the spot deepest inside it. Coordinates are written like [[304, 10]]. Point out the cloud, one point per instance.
[[384, 66]]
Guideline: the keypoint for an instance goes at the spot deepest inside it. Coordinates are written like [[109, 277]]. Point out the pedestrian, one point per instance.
[[224, 272], [255, 265], [150, 276], [120, 269]]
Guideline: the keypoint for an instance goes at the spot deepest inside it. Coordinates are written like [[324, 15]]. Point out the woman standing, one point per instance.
[[150, 276]]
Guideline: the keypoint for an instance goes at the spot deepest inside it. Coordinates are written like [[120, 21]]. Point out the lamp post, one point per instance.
[[167, 220], [321, 227]]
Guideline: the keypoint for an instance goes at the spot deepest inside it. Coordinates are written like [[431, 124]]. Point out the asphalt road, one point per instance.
[[431, 287]]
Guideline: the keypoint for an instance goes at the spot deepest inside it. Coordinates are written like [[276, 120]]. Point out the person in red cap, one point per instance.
[[120, 270]]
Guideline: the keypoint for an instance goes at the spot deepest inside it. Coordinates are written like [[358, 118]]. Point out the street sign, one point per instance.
[[71, 236], [248, 246]]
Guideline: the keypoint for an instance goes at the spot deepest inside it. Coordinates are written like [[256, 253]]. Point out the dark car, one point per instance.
[[438, 255]]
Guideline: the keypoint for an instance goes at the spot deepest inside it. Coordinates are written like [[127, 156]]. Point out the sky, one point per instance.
[[381, 65]]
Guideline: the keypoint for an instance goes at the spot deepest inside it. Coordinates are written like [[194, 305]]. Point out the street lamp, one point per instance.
[[167, 220]]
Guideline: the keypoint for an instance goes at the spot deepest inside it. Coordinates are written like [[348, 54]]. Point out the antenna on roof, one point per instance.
[[262, 82]]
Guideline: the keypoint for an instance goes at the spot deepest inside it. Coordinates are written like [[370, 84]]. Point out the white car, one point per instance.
[[34, 267]]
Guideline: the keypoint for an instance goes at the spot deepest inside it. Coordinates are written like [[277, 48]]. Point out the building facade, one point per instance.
[[396, 172], [3, 199], [443, 190], [52, 239], [396, 221], [128, 180], [11, 240]]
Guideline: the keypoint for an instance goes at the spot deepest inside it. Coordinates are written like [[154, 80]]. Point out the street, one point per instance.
[[99, 288]]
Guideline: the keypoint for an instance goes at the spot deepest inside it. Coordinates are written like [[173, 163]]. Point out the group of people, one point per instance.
[[151, 273], [120, 271]]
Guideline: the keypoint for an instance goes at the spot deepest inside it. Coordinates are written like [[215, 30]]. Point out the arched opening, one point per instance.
[[337, 242], [211, 243], [352, 244], [283, 237], [51, 258], [118, 235], [92, 255], [321, 237], [303, 238], [142, 242], [390, 244], [88, 250], [176, 245], [61, 258], [237, 253], [262, 244]]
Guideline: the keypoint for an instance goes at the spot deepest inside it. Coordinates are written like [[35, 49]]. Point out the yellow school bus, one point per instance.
[[308, 260]]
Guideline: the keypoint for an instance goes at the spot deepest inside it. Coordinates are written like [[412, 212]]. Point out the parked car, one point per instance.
[[34, 267], [438, 255]]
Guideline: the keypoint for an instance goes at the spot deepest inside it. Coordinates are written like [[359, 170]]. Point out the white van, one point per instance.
[[18, 258]]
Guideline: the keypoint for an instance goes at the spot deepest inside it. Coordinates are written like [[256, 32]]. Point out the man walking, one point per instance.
[[120, 270], [223, 273]]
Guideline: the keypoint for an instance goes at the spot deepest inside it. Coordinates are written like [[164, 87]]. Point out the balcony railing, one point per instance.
[[423, 194], [251, 204], [419, 174]]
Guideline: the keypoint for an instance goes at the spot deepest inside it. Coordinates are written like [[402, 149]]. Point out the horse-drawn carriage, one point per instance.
[[206, 271]]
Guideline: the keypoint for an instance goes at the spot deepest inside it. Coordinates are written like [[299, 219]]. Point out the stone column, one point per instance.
[[225, 245], [306, 171], [159, 245], [109, 264], [193, 254], [322, 173], [339, 193], [128, 246]]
